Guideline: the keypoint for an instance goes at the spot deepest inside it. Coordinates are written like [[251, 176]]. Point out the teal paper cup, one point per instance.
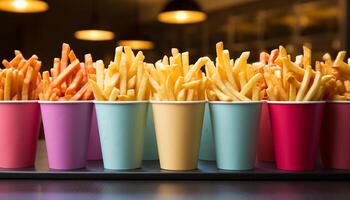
[[121, 126], [235, 127], [150, 145], [207, 149]]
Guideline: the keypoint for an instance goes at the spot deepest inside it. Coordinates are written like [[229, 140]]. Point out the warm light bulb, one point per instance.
[[20, 4], [23, 6], [137, 44], [182, 17], [94, 35]]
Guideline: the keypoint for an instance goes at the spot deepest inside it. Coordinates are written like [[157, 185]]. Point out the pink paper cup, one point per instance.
[[19, 130], [94, 147], [265, 151], [67, 130], [296, 130], [335, 136]]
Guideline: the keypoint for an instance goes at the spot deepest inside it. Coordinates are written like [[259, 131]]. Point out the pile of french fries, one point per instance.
[[293, 81], [128, 78], [20, 78], [233, 81], [68, 78], [338, 87], [125, 79], [174, 79]]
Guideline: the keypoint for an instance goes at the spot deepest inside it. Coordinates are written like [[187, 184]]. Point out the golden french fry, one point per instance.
[[304, 84], [143, 87], [8, 82], [130, 94], [100, 74], [192, 85], [196, 67], [181, 96], [222, 96], [270, 94], [292, 92], [98, 93], [251, 83], [190, 95], [314, 87], [255, 93]]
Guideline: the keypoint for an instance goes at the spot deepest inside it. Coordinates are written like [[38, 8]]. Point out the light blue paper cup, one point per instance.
[[121, 126], [150, 151], [207, 149], [236, 128]]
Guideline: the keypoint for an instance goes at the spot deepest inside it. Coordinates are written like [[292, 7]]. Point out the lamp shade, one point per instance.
[[23, 6], [182, 12]]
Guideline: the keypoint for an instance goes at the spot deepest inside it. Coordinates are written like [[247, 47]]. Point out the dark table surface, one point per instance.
[[127, 190]]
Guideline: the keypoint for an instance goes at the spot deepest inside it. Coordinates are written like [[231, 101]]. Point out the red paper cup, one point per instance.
[[19, 130], [67, 130], [94, 147], [296, 130], [265, 151], [335, 136]]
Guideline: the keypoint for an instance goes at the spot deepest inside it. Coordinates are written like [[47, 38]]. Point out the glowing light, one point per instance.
[[23, 6], [137, 44], [94, 35], [182, 17]]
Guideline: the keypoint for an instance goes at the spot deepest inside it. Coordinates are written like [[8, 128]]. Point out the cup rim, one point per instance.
[[335, 101], [120, 102], [177, 102], [296, 102], [64, 102], [235, 102], [18, 101]]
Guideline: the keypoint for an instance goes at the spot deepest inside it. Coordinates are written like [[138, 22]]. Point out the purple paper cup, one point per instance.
[[67, 130], [94, 147]]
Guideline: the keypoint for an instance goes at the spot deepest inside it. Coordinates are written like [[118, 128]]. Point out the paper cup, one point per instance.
[[335, 136], [236, 128], [19, 130], [94, 146], [207, 149], [150, 143], [296, 129], [122, 127], [67, 129], [178, 131], [265, 151]]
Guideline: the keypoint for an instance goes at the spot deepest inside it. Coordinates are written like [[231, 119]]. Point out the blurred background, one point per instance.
[[243, 25]]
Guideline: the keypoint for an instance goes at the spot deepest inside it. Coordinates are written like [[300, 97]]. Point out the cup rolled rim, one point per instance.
[[235, 102], [120, 102], [177, 102], [18, 101], [296, 102], [64, 102]]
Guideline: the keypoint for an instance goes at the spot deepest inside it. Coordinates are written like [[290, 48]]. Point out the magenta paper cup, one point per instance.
[[296, 130], [19, 130], [265, 150], [335, 136], [67, 130], [94, 147]]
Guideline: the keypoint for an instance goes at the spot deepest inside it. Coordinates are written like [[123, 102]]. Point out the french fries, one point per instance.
[[294, 81], [125, 79], [233, 81], [68, 78], [174, 79], [20, 78]]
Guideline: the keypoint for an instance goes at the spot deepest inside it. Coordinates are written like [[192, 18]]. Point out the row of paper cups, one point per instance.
[[235, 125]]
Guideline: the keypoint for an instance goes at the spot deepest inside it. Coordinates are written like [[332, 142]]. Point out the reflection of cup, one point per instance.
[[67, 130], [236, 127], [121, 126], [150, 144], [94, 147], [296, 129], [265, 150], [335, 137], [207, 149], [19, 129], [178, 127]]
